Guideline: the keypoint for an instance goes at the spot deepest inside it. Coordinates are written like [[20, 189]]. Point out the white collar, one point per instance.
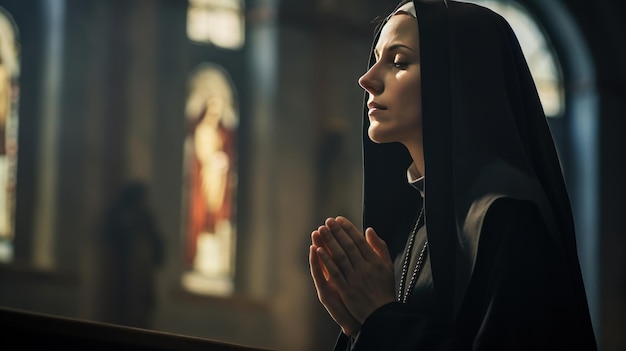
[[414, 178]]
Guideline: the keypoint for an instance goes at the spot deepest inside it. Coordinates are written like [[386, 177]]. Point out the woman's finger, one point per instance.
[[329, 297], [316, 240], [377, 244], [317, 271], [344, 261], [334, 272], [357, 237], [348, 243]]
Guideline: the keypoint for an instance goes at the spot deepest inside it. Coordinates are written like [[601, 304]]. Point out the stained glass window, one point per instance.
[[210, 182], [9, 93], [217, 22]]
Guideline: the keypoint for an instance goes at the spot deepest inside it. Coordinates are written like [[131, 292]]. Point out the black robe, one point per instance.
[[518, 298], [503, 270]]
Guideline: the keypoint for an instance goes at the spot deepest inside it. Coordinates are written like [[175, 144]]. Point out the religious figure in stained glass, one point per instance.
[[9, 77], [210, 148]]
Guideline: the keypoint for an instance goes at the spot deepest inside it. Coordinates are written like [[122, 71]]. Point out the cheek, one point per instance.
[[413, 103]]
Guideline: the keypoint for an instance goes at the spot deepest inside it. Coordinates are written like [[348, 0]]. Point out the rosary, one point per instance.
[[402, 294]]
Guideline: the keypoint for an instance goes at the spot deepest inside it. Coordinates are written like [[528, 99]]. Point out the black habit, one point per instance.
[[501, 271]]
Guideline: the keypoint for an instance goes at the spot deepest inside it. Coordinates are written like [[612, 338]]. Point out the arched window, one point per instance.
[[210, 181], [9, 94], [542, 61], [217, 22]]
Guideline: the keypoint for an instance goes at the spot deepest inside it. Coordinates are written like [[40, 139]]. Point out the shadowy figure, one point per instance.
[[133, 250]]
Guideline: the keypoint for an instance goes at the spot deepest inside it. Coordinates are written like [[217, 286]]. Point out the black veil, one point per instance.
[[485, 137]]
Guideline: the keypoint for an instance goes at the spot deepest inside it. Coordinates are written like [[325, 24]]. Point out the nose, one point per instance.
[[370, 82]]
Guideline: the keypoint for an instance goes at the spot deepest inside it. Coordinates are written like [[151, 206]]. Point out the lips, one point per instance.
[[375, 106], [374, 110]]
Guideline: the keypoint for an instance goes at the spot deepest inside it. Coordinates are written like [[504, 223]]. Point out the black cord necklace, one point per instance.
[[403, 295]]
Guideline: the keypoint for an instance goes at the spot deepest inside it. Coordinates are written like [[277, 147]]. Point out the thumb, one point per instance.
[[377, 244]]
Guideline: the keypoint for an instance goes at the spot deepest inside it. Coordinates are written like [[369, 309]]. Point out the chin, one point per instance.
[[378, 136]]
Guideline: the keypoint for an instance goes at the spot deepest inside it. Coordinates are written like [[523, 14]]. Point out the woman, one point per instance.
[[470, 241]]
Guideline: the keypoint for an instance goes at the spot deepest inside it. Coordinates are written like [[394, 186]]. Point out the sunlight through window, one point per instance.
[[539, 54], [217, 22]]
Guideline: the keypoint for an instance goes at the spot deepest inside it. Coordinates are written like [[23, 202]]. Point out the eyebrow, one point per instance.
[[393, 48]]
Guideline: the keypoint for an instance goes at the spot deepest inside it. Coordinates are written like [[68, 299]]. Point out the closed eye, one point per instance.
[[401, 65]]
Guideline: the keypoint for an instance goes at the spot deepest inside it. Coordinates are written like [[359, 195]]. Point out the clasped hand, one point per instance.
[[353, 273]]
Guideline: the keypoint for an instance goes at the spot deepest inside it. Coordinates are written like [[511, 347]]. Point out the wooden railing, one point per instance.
[[24, 330]]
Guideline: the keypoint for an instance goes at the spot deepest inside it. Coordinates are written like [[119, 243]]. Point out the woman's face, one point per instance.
[[393, 84]]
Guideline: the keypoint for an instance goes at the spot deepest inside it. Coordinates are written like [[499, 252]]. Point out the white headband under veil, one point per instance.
[[408, 8]]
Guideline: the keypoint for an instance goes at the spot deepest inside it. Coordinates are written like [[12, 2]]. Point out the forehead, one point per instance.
[[399, 28]]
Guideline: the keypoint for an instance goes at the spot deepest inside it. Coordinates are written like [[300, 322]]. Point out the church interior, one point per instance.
[[165, 161]]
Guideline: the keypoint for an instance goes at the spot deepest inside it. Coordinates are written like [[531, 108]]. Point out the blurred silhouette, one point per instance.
[[131, 251]]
